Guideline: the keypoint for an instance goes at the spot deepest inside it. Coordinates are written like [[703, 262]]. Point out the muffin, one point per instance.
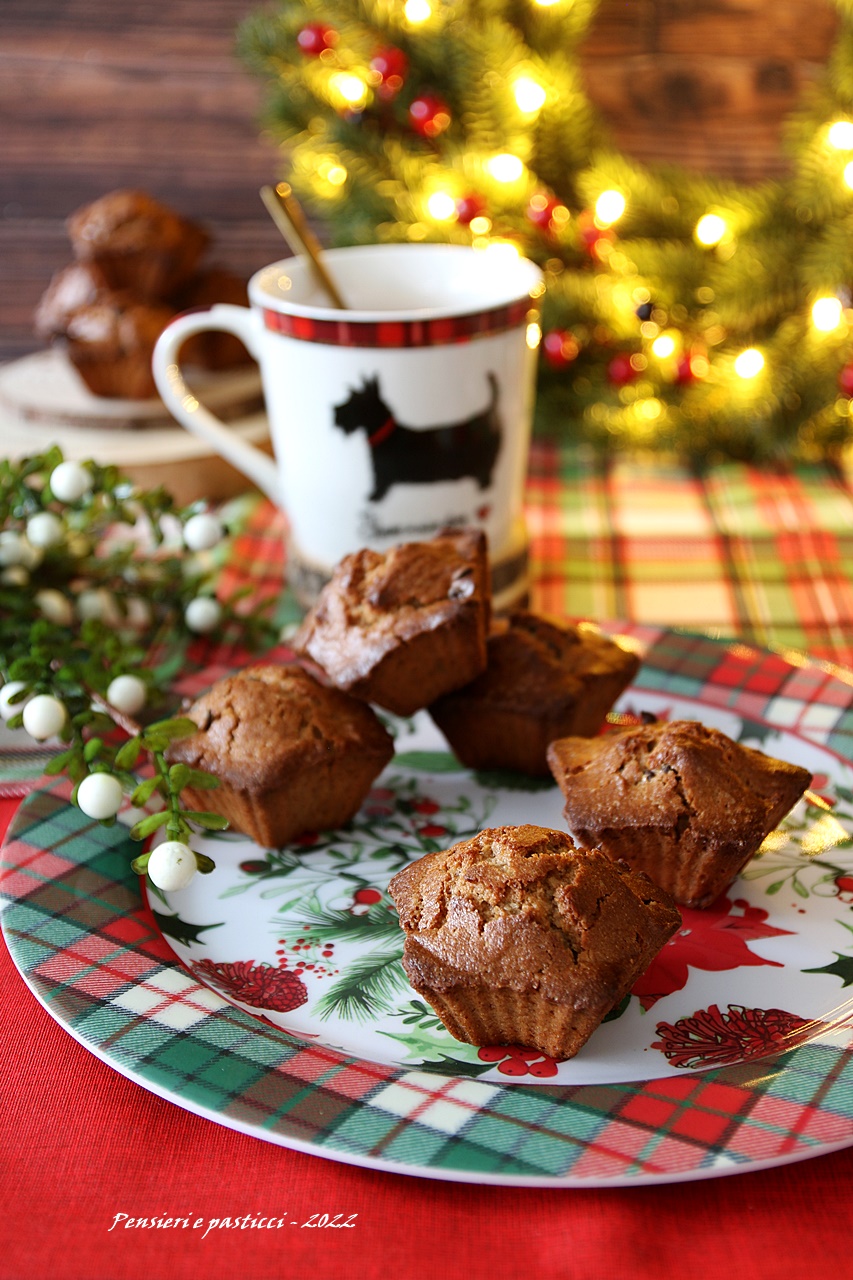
[[401, 629], [137, 243], [291, 755], [78, 285], [110, 343], [681, 802], [543, 681], [517, 937]]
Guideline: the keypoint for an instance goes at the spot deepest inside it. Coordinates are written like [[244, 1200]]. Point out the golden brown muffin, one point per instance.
[[214, 349], [110, 343], [138, 243], [518, 937], [402, 628], [543, 681], [291, 755], [681, 802], [75, 286]]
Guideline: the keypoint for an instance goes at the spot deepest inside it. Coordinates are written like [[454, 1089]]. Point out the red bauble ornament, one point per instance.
[[620, 371], [845, 380], [540, 210], [591, 235], [429, 116], [470, 207], [560, 348], [390, 65], [315, 37], [685, 371]]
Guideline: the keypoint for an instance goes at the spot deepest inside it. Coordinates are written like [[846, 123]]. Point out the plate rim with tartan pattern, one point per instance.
[[90, 951]]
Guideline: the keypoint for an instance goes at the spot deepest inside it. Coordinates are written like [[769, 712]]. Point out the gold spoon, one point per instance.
[[286, 213]]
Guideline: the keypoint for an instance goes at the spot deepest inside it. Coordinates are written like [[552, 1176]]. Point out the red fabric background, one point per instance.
[[79, 1143]]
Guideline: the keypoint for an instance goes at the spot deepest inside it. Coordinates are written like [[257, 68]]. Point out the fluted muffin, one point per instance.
[[291, 755], [138, 243], [401, 628], [681, 802], [518, 937], [543, 681], [110, 343]]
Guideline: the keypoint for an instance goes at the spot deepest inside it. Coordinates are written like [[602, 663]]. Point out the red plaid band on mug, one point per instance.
[[400, 333]]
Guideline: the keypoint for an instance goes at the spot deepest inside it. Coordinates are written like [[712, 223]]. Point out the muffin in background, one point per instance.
[[543, 681], [78, 285], [138, 243], [214, 349], [110, 342], [679, 801], [401, 628], [292, 756], [518, 937]]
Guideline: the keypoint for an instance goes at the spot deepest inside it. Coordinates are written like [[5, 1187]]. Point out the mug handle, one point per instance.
[[184, 406]]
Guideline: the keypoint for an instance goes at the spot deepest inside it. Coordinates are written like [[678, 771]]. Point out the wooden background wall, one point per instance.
[[98, 94]]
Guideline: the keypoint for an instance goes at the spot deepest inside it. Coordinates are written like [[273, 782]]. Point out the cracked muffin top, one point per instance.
[[674, 775], [266, 722], [523, 908], [415, 596]]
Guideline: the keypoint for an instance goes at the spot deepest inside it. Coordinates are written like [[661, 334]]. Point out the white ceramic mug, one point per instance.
[[406, 413]]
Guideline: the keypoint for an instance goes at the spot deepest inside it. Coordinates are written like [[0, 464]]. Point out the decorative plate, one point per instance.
[[288, 1015]]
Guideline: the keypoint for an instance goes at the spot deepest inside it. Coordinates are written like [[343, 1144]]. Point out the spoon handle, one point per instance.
[[287, 215]]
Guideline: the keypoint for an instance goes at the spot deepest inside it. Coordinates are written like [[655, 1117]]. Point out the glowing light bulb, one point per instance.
[[348, 89], [848, 174], [749, 363], [546, 4], [529, 95], [533, 336], [826, 314], [663, 346], [481, 226], [505, 167], [441, 206], [840, 135], [609, 207], [710, 229], [417, 11]]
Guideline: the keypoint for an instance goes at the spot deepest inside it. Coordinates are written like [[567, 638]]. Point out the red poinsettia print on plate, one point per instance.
[[713, 1039], [260, 985], [514, 1060], [714, 939]]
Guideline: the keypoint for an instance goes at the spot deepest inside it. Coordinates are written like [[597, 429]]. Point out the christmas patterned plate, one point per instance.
[[288, 1016]]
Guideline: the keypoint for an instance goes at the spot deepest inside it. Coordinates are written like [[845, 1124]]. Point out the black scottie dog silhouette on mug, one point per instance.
[[402, 455]]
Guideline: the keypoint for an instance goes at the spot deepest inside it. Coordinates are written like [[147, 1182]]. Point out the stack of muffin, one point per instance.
[[521, 935], [136, 264]]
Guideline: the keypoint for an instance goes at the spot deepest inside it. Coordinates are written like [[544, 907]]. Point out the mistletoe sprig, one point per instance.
[[96, 575]]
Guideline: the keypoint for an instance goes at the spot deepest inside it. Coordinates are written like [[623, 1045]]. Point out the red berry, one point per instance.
[[254, 867], [547, 1067], [559, 347], [513, 1067], [390, 65], [492, 1053], [429, 116], [432, 829], [315, 37], [469, 207], [845, 380], [426, 806], [367, 897], [620, 371], [845, 884]]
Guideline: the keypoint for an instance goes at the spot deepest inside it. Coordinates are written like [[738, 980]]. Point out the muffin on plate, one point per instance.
[[110, 343], [137, 243], [681, 802], [292, 756], [401, 628], [544, 680], [518, 937]]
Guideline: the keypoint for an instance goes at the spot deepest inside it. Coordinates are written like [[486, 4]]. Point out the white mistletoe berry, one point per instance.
[[44, 716], [99, 796], [97, 602], [203, 614], [13, 548], [203, 531], [15, 576], [127, 694], [54, 606], [172, 865], [45, 529], [7, 693], [70, 481]]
